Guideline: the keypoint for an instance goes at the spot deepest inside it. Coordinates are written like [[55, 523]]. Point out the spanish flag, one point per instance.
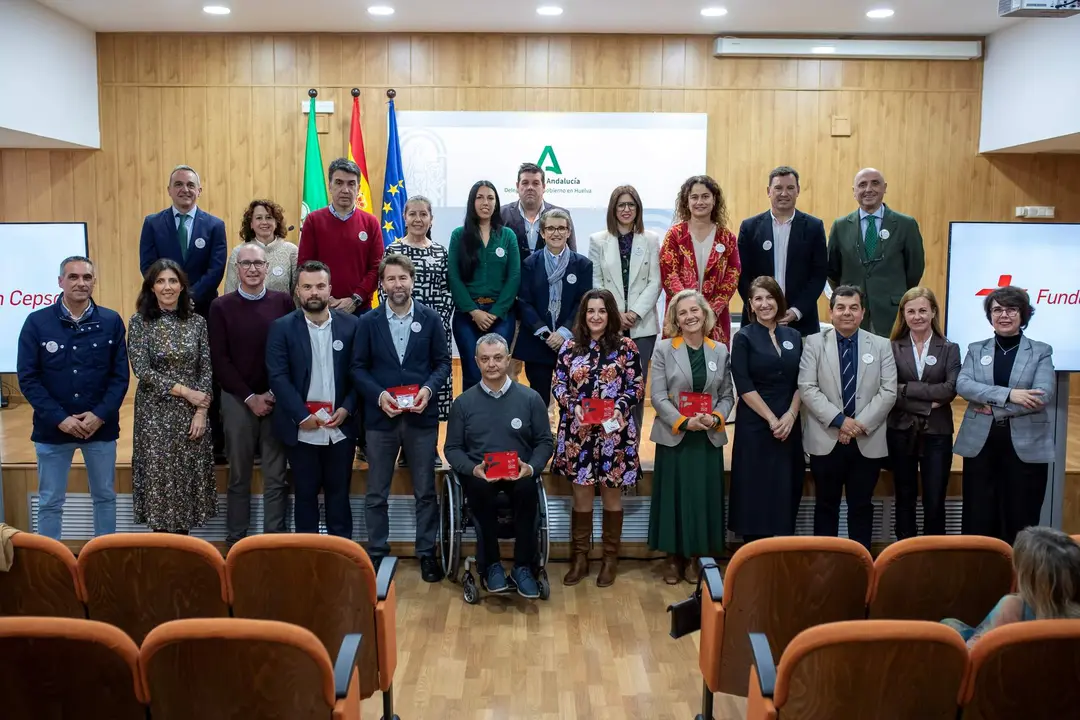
[[356, 154]]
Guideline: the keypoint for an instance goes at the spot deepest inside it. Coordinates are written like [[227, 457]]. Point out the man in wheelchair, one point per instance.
[[487, 422]]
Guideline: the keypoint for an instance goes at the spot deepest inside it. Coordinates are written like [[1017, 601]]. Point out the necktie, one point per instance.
[[182, 237], [871, 242], [847, 377]]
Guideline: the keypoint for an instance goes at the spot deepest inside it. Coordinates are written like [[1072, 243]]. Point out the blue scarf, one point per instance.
[[556, 271]]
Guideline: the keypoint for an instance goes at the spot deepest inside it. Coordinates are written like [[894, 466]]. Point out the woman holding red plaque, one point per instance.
[[692, 394], [598, 382], [700, 253]]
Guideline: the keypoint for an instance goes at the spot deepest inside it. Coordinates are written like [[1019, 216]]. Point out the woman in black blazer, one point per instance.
[[553, 280], [767, 464], [920, 426]]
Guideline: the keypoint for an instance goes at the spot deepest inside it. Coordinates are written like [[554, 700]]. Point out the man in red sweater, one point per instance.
[[347, 240]]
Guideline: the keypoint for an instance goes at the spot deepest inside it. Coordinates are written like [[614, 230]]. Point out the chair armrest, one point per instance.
[[763, 661], [385, 576], [711, 579], [347, 660]]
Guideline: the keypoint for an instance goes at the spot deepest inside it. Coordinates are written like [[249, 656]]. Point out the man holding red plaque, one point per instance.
[[495, 427], [401, 359], [308, 354]]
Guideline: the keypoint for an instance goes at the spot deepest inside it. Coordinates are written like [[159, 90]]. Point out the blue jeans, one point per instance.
[[466, 333], [54, 462]]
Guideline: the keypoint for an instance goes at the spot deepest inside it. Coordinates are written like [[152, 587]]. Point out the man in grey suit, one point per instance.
[[1006, 438], [847, 381], [877, 249]]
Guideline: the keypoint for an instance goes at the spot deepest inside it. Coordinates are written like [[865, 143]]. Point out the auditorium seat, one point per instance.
[[137, 581], [780, 587], [328, 585], [944, 576], [42, 580], [868, 669], [1025, 670], [58, 668], [221, 669]]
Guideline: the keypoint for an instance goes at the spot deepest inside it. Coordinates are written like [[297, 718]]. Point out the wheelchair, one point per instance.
[[455, 519]]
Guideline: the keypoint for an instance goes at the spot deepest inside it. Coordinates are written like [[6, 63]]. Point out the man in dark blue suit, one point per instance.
[[788, 246], [552, 282], [400, 360], [192, 237], [308, 354]]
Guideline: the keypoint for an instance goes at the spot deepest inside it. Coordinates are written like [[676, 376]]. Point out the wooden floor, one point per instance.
[[585, 653], [16, 422]]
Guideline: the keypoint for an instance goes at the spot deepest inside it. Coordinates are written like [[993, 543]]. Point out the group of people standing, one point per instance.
[[305, 371]]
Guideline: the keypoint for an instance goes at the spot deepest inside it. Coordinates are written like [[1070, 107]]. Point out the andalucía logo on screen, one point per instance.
[[1042, 296], [555, 183]]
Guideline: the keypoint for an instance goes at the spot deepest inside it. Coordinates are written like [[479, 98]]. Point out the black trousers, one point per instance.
[[327, 468], [539, 376], [1002, 493], [845, 470], [524, 501], [910, 456]]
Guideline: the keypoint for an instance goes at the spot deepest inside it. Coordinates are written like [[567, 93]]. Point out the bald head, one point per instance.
[[869, 189]]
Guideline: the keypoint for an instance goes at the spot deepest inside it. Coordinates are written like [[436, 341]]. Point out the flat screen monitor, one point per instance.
[[32, 253], [1042, 258]]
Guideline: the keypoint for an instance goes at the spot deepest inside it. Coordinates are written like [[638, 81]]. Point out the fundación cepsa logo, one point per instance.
[[1045, 296]]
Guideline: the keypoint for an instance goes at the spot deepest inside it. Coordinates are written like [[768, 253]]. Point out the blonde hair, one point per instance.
[[1047, 565], [900, 327], [671, 323]]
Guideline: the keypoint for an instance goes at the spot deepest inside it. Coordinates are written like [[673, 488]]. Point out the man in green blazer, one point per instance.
[[877, 249]]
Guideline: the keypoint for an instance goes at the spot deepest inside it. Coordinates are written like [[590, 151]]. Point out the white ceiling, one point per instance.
[[913, 17]]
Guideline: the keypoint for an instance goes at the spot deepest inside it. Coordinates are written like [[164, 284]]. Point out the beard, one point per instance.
[[315, 304], [399, 297]]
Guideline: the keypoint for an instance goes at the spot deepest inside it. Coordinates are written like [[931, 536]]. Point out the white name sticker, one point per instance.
[[200, 243], [987, 359], [278, 271], [884, 234], [500, 252], [712, 366], [51, 346], [719, 247], [362, 236], [767, 245], [516, 423], [931, 360], [571, 278], [788, 345], [338, 344], [868, 358], [416, 327]]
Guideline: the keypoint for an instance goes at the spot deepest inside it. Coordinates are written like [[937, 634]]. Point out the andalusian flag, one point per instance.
[[314, 180], [356, 154]]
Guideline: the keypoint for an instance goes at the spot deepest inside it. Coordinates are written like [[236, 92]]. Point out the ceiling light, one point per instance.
[[216, 10], [880, 14], [823, 50], [713, 12], [381, 10], [549, 10]]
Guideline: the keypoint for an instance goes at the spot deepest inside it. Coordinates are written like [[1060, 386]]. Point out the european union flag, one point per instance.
[[394, 195]]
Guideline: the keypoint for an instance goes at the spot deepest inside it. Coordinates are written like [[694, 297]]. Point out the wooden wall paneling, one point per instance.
[[262, 146], [38, 183], [61, 186], [14, 192], [126, 58], [262, 60], [218, 186], [376, 53], [241, 186]]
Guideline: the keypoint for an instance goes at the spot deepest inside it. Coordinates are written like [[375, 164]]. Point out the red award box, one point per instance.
[[501, 465], [692, 403], [314, 406], [597, 410], [404, 395]]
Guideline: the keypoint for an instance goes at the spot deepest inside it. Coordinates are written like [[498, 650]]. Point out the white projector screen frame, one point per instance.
[[32, 255], [1039, 257]]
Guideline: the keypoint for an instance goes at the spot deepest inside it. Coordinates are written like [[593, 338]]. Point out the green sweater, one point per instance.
[[496, 277]]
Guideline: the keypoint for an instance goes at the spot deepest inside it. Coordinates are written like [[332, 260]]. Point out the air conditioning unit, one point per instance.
[[1038, 8]]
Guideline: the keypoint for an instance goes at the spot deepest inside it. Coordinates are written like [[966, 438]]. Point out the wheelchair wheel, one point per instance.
[[449, 529], [543, 532], [544, 583], [469, 589]]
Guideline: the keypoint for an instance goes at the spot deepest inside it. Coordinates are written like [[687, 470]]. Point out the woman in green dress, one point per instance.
[[687, 514]]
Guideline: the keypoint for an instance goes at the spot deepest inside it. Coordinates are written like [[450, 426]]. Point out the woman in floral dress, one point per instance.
[[598, 363], [172, 463]]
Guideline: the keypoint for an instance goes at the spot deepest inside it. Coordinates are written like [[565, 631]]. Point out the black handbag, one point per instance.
[[686, 614]]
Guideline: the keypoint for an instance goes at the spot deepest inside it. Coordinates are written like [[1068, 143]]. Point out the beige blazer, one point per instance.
[[644, 276], [671, 375], [822, 400]]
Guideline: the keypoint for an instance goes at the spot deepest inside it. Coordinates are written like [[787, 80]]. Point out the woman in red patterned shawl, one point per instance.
[[700, 253]]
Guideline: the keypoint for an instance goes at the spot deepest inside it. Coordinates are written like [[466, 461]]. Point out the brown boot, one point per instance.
[[611, 535], [673, 569], [580, 536]]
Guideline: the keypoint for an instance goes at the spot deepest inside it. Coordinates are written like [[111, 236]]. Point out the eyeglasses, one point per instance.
[[248, 264], [626, 206], [1006, 311], [556, 230]]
